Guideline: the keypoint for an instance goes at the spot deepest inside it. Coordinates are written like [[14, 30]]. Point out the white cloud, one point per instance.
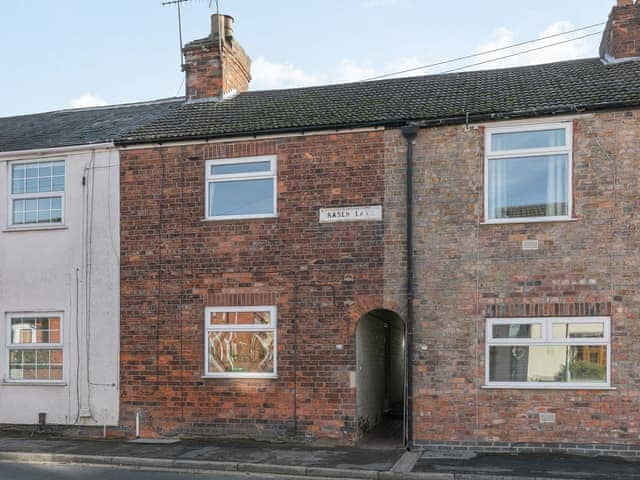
[[88, 100], [503, 37], [352, 71], [269, 75]]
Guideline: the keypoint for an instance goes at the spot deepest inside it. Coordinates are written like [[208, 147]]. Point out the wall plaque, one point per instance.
[[351, 214]]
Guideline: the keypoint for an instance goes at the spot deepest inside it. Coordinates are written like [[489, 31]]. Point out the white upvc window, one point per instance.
[[554, 352], [34, 347], [36, 193], [241, 188], [241, 342], [528, 173]]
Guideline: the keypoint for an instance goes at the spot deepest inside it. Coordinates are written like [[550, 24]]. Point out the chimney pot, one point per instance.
[[625, 3], [222, 24], [212, 71]]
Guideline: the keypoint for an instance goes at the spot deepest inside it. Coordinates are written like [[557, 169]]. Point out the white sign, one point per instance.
[[351, 214]]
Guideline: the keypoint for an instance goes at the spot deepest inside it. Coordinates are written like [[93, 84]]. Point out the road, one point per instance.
[[23, 471]]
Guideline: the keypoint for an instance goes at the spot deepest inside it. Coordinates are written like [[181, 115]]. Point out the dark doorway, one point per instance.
[[380, 379]]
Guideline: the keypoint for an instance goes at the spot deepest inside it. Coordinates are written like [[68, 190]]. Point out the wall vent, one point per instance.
[[530, 245]]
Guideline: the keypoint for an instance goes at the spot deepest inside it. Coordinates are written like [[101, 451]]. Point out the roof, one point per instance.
[[83, 126], [586, 84]]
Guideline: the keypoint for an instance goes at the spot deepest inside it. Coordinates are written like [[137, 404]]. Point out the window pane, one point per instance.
[[241, 197], [37, 177], [240, 318], [241, 352], [41, 210], [230, 168], [578, 330], [528, 187], [548, 363], [40, 364], [18, 185], [35, 330], [532, 139], [514, 330]]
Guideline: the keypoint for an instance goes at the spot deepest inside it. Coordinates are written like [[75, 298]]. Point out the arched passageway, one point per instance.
[[380, 379]]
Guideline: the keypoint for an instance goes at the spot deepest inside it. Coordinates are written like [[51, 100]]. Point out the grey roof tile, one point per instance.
[[586, 84], [82, 126]]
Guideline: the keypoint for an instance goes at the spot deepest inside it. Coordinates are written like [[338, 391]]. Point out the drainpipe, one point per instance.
[[409, 132]]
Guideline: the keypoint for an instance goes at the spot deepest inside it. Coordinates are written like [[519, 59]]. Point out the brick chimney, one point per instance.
[[217, 65], [621, 37]]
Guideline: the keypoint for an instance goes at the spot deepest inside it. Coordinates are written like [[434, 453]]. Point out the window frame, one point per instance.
[[529, 152], [36, 195], [33, 346], [272, 327], [229, 177], [547, 339]]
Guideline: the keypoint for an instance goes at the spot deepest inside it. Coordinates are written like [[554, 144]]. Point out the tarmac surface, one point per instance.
[[224, 458]]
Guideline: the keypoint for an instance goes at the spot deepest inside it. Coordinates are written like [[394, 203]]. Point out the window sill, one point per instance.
[[238, 217], [240, 376], [27, 383], [511, 221], [548, 387], [31, 228]]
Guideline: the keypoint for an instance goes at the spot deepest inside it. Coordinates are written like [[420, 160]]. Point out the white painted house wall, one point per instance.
[[73, 270]]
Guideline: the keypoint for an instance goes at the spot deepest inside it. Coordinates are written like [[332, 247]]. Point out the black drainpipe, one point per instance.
[[409, 132]]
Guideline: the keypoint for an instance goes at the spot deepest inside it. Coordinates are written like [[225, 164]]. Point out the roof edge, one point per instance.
[[56, 150], [103, 107]]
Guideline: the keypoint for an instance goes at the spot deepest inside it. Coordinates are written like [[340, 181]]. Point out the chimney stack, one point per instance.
[[216, 66], [621, 36]]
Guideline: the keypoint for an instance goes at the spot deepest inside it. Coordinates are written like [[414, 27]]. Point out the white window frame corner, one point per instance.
[[272, 327], [528, 127], [272, 173], [9, 316], [547, 339]]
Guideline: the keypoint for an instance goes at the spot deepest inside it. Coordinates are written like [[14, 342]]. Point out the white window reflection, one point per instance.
[[528, 173], [241, 188], [240, 342]]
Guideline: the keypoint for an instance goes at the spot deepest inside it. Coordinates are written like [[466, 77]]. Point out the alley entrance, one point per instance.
[[380, 379]]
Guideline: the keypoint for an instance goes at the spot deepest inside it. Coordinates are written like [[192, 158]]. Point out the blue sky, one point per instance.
[[64, 53]]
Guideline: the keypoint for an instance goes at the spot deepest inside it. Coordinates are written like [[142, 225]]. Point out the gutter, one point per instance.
[[56, 150], [409, 132]]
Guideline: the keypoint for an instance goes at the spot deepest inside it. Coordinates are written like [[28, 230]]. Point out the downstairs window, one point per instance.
[[35, 347], [552, 352], [240, 342]]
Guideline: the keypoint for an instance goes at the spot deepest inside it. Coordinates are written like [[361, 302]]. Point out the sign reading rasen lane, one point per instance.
[[351, 214]]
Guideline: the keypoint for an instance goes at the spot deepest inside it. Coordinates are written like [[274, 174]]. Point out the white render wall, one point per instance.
[[73, 270]]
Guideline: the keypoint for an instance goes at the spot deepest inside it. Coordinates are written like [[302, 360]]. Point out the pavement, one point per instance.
[[298, 461]]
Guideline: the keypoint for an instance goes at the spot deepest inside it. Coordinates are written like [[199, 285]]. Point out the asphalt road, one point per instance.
[[23, 471]]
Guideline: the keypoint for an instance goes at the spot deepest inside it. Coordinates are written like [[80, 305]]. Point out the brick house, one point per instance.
[[266, 252]]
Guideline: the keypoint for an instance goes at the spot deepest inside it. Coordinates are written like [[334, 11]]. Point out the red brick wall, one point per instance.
[[322, 277], [467, 271], [621, 38], [207, 76]]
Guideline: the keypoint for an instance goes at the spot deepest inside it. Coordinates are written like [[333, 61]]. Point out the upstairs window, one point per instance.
[[37, 193], [241, 188], [528, 173], [555, 352]]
